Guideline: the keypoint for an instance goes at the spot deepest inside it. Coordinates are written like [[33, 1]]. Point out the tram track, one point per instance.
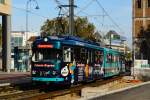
[[39, 93], [73, 90]]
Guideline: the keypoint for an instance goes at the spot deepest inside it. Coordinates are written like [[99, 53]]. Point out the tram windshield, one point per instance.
[[46, 54]]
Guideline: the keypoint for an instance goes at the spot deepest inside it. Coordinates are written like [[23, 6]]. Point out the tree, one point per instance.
[[98, 36], [144, 43], [128, 56], [83, 28], [55, 26]]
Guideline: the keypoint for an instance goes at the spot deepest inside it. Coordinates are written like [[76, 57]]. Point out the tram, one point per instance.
[[71, 60]]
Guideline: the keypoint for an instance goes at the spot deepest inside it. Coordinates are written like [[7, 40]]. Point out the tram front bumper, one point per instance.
[[47, 79]]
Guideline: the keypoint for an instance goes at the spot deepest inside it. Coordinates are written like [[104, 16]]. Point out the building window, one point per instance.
[[17, 41], [139, 3], [2, 1], [148, 3]]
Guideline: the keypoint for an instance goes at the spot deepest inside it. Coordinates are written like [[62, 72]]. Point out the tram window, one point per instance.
[[118, 58], [99, 57], [67, 54], [33, 57], [77, 54], [114, 58], [91, 56], [46, 54], [84, 55], [109, 58]]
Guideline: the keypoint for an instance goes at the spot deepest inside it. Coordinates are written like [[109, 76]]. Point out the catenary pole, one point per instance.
[[71, 17]]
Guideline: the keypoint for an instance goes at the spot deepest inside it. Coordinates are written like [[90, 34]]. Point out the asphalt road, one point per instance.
[[138, 93]]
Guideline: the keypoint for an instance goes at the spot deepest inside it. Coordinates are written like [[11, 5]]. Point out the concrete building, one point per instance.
[[20, 51], [141, 15], [117, 42], [141, 20], [20, 38], [119, 45], [5, 12]]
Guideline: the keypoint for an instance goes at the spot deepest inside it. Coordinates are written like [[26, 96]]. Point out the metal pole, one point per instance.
[[27, 10], [110, 40], [6, 41], [133, 57], [71, 17]]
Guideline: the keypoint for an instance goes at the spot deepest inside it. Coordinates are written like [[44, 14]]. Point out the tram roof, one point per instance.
[[69, 40], [112, 50]]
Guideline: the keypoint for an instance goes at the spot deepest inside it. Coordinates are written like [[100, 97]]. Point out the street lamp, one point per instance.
[[27, 10]]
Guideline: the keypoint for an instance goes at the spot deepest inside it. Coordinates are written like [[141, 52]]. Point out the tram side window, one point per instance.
[[113, 58], [77, 54], [117, 59], [99, 57], [37, 56], [84, 55], [109, 58], [67, 54], [90, 56]]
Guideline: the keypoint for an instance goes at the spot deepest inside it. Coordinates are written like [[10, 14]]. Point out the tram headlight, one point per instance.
[[45, 39], [33, 72], [54, 72], [64, 71]]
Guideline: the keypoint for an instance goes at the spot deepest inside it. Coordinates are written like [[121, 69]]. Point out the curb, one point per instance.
[[115, 91]]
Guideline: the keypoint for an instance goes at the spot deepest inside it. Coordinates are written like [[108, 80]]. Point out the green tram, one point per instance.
[[113, 62], [71, 60]]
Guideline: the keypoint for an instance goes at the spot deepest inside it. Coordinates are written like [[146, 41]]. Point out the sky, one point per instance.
[[119, 10]]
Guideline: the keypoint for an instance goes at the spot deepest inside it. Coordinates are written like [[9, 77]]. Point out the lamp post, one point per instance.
[[27, 30], [27, 10]]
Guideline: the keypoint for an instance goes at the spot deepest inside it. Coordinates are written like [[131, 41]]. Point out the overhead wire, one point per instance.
[[64, 9], [109, 16], [82, 10], [85, 7], [22, 9], [88, 15]]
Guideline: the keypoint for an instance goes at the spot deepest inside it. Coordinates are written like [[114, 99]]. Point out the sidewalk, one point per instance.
[[137, 92], [14, 77]]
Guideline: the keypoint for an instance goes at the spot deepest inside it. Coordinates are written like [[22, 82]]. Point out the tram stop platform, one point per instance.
[[137, 92], [13, 78]]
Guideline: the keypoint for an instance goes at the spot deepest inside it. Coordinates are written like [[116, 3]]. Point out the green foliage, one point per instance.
[[144, 42], [55, 27], [83, 28], [128, 56]]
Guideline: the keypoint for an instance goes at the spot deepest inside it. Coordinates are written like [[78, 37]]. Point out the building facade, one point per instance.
[[20, 60], [115, 41], [141, 15], [5, 12], [20, 38], [141, 20], [5, 7]]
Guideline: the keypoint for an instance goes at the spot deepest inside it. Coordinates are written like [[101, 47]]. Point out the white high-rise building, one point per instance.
[[19, 38]]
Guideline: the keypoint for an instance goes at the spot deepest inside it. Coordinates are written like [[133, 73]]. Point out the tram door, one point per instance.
[[98, 65]]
